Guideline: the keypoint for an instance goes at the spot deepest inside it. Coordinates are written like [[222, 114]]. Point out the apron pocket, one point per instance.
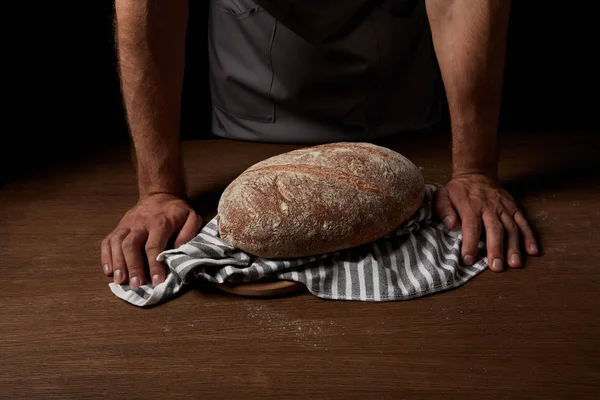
[[240, 35]]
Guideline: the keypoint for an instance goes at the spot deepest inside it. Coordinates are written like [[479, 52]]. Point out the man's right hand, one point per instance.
[[145, 230]]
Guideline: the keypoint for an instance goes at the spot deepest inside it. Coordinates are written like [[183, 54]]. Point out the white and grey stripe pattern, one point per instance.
[[421, 257]]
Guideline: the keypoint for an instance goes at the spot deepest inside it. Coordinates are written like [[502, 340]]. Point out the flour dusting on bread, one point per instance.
[[319, 199]]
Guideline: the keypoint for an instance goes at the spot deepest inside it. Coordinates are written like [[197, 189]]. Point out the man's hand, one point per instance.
[[147, 228], [474, 202]]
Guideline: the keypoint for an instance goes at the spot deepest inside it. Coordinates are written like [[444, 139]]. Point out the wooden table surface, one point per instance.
[[528, 333]]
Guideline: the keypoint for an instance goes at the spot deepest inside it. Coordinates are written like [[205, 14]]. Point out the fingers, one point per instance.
[[118, 263], [477, 202], [190, 229], [105, 256], [513, 252], [445, 209], [531, 246], [157, 241], [132, 250], [471, 225], [494, 233]]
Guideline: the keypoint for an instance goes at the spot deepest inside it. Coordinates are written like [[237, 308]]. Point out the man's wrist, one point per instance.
[[175, 187], [474, 152], [489, 172], [161, 172]]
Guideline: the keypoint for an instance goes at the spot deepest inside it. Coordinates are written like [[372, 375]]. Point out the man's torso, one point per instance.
[[297, 71]]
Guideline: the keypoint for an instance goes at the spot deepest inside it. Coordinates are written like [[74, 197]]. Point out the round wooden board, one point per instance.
[[263, 289]]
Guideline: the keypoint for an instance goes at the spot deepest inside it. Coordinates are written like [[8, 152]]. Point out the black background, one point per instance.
[[63, 97]]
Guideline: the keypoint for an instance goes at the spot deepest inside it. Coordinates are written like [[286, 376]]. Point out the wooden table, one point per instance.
[[529, 333]]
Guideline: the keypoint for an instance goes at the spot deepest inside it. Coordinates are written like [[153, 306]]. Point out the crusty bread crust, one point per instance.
[[319, 199]]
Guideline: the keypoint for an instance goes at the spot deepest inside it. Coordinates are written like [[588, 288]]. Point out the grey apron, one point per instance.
[[372, 77]]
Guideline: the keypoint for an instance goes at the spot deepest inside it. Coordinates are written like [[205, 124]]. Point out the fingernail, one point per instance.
[[497, 264], [118, 276], [515, 259], [469, 259], [156, 280], [533, 247], [448, 221], [106, 269], [134, 282]]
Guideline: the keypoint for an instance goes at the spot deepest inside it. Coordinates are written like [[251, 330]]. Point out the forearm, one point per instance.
[[469, 38], [150, 37]]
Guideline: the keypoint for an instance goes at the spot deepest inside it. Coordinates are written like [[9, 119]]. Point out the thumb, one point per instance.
[[190, 229], [444, 208]]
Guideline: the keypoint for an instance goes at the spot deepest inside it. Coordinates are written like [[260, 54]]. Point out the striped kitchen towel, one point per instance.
[[420, 257]]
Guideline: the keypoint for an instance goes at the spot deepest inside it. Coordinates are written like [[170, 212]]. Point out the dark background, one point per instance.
[[64, 98]]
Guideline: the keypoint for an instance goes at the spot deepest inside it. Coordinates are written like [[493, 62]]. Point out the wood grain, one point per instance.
[[529, 333]]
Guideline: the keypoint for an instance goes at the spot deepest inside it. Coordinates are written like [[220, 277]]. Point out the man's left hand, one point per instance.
[[474, 201]]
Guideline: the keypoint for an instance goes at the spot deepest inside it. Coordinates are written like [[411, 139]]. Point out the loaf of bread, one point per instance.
[[319, 199]]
